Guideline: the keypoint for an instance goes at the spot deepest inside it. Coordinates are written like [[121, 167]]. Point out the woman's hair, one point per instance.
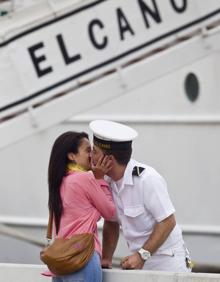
[[68, 142]]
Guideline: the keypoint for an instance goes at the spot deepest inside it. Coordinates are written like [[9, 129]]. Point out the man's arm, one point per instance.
[[109, 242], [160, 233], [158, 236]]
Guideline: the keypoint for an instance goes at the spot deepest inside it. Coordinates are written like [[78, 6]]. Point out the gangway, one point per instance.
[[62, 58]]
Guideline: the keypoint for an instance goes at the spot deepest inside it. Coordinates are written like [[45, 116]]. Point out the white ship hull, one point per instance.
[[137, 74]]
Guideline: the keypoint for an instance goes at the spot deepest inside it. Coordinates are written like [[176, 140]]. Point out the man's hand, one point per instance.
[[106, 263], [102, 167], [132, 262]]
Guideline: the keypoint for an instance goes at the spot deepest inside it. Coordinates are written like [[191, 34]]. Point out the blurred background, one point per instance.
[[153, 65]]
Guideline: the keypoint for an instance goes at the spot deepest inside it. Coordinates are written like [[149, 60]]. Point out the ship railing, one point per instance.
[[10, 229], [18, 235], [28, 272], [8, 7]]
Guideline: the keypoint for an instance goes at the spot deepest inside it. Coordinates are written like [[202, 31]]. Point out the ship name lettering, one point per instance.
[[99, 39]]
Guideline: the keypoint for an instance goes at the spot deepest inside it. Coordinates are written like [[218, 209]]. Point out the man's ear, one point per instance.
[[71, 157]]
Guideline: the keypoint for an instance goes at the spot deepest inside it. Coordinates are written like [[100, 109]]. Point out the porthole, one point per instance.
[[192, 87]]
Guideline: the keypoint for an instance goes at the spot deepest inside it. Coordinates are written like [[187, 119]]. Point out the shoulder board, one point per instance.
[[137, 170]]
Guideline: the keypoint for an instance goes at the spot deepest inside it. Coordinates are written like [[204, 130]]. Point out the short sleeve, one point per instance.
[[156, 198]]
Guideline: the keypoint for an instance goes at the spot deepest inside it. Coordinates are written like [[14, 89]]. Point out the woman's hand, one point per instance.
[[102, 167]]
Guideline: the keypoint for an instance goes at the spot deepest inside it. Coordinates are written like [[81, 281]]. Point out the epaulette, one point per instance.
[[137, 170]]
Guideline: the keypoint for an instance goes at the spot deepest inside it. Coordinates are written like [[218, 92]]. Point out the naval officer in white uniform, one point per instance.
[[144, 209]]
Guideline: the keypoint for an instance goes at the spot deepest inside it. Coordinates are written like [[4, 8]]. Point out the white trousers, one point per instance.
[[173, 260]]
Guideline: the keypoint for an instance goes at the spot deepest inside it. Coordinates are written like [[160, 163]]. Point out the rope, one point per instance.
[[12, 232]]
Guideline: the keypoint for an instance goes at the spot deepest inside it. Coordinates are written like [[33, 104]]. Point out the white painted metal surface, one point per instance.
[[43, 58], [27, 273]]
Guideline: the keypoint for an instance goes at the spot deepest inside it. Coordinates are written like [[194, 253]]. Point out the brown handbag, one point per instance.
[[67, 255]]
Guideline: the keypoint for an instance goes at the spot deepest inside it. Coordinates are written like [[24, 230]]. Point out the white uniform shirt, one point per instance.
[[141, 201]]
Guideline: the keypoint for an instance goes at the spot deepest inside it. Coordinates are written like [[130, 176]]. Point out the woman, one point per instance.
[[78, 197]]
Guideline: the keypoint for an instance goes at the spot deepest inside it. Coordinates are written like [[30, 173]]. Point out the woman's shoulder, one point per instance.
[[80, 177]]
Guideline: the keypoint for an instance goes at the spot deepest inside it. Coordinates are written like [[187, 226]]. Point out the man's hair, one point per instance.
[[121, 156]]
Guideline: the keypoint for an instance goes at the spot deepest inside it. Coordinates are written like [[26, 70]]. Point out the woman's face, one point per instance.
[[83, 157]]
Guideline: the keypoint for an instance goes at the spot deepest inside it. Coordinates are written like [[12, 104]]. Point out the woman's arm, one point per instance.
[[101, 197]]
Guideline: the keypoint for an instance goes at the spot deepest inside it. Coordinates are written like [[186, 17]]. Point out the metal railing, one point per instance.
[[6, 6], [14, 233], [9, 6]]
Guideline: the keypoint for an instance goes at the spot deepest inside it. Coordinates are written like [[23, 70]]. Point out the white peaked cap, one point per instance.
[[112, 131]]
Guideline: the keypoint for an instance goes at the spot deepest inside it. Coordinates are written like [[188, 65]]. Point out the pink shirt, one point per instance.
[[85, 200]]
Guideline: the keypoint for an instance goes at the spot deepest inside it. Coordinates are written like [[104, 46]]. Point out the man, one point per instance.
[[144, 209]]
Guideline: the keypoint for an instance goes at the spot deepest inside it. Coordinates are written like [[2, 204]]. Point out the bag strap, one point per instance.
[[50, 227]]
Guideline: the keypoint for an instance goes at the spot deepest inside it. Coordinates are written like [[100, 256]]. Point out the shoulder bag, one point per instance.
[[67, 255]]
